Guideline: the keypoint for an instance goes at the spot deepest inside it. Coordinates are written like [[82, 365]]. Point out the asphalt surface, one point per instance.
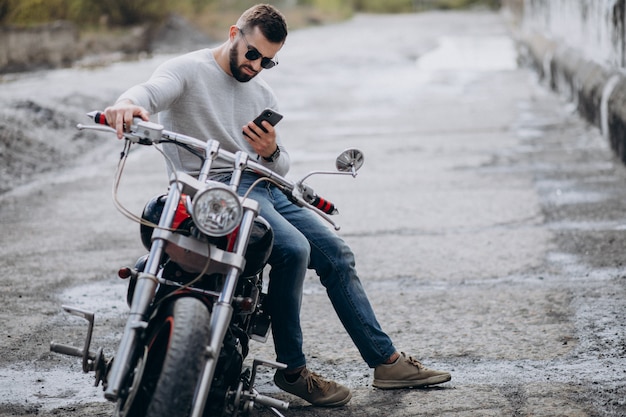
[[488, 223]]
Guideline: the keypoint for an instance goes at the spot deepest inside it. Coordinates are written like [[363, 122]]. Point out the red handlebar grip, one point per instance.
[[324, 205], [100, 118]]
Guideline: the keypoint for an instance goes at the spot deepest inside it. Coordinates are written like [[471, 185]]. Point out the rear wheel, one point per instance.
[[167, 374]]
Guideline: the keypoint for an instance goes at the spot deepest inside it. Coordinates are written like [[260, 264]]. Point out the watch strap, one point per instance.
[[274, 155]]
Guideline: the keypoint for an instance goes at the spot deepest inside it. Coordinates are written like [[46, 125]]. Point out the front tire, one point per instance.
[[173, 362]]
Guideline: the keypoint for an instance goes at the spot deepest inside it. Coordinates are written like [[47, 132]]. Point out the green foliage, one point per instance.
[[387, 6], [460, 4], [131, 12], [407, 6], [4, 9], [113, 12], [327, 6], [34, 11]]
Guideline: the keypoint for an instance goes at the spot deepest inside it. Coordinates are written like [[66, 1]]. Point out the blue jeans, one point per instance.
[[302, 241]]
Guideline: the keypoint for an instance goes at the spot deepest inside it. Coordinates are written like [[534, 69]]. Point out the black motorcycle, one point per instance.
[[196, 299]]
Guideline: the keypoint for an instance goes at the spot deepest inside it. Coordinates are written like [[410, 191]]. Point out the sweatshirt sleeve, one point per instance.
[[193, 96], [281, 164], [163, 88]]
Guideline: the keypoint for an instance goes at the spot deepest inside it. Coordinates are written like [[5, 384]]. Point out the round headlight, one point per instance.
[[216, 211]]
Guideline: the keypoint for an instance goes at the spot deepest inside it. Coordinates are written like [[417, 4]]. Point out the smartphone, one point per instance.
[[270, 116]]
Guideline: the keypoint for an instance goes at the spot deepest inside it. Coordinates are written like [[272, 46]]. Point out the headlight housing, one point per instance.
[[216, 210]]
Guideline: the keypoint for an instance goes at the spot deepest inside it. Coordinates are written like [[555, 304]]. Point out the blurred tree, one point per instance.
[[200, 5], [29, 12], [329, 6], [132, 12], [34, 11], [387, 6], [4, 9]]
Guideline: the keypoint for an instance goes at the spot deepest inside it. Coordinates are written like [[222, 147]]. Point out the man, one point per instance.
[[214, 93]]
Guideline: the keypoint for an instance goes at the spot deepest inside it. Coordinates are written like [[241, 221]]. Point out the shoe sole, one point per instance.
[[288, 389], [391, 384], [336, 404]]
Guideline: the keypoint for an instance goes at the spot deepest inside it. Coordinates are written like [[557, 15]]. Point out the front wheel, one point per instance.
[[165, 378]]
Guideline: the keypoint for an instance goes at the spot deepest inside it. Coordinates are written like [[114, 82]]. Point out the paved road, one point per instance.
[[488, 223]]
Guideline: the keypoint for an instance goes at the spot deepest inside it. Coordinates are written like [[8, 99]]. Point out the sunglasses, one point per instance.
[[253, 54]]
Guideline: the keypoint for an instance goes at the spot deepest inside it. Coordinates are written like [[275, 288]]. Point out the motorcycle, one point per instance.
[[196, 298]]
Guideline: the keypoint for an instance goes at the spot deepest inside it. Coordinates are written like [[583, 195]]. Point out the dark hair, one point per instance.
[[271, 22]]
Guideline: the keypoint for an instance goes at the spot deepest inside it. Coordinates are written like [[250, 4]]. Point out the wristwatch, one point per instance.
[[274, 156]]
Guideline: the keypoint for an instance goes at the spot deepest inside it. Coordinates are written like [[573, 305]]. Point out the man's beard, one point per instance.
[[235, 68]]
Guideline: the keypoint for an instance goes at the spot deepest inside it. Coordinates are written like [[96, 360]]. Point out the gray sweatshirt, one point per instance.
[[194, 96]]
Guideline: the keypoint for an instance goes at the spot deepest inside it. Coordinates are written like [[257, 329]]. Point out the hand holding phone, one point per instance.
[[269, 115]]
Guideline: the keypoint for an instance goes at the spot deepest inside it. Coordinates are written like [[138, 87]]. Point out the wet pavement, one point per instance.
[[488, 224]]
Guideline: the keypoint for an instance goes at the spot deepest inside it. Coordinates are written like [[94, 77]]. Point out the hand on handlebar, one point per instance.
[[121, 115]]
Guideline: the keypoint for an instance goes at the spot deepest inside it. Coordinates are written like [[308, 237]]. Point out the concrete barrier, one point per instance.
[[595, 84]]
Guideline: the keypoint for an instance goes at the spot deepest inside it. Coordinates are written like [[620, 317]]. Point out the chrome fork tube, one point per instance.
[[211, 151], [142, 298], [240, 163], [222, 314]]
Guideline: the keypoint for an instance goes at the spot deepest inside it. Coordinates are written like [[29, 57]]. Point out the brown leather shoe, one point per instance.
[[407, 372], [314, 389]]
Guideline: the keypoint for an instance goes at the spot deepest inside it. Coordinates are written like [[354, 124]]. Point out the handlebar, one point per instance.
[[98, 117], [149, 133], [318, 202]]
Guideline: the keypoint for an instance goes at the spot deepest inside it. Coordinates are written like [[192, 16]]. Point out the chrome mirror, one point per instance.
[[350, 160]]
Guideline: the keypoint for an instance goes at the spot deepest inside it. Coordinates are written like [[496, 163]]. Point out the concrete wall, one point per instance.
[[594, 27], [51, 45], [578, 47]]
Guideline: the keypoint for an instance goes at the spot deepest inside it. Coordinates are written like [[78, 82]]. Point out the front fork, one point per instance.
[[223, 311]]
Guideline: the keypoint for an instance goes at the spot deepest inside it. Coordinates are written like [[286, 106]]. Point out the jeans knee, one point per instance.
[[334, 261], [293, 252], [299, 251]]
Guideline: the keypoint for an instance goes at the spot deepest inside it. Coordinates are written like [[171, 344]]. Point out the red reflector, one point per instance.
[[124, 273], [181, 214]]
